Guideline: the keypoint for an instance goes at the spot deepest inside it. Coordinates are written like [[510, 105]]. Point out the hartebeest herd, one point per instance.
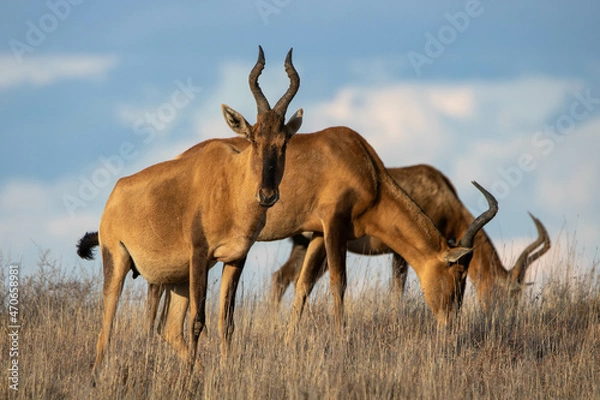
[[173, 221]]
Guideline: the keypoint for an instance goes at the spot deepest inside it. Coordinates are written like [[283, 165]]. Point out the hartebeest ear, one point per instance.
[[454, 254], [294, 123], [236, 121]]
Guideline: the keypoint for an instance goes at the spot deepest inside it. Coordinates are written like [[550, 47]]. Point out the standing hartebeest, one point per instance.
[[436, 195], [173, 221], [337, 187]]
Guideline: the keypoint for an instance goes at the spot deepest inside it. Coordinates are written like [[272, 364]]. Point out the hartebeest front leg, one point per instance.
[[336, 244], [399, 275], [229, 283], [315, 255], [199, 265]]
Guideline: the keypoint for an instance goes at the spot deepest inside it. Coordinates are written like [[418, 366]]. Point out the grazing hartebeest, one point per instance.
[[436, 195], [337, 187], [172, 221]]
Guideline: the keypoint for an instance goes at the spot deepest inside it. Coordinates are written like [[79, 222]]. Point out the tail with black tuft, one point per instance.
[[86, 244]]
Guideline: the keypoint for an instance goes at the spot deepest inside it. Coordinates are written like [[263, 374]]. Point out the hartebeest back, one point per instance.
[[436, 195], [336, 186], [172, 221]]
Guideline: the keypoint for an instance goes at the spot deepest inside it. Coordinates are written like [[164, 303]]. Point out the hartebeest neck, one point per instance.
[[231, 180], [489, 262], [486, 269], [400, 223]]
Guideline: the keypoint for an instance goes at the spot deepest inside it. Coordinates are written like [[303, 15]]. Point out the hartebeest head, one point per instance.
[[451, 283], [515, 283], [269, 136]]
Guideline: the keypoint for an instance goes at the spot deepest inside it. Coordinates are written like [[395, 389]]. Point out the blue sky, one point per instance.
[[507, 93]]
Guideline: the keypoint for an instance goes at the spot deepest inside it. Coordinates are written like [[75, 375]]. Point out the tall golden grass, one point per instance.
[[547, 347]]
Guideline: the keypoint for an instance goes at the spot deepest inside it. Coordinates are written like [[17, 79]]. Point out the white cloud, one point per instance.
[[48, 69], [453, 102], [482, 160], [424, 122], [33, 214], [572, 170], [69, 227], [128, 114], [21, 196], [393, 118], [522, 103]]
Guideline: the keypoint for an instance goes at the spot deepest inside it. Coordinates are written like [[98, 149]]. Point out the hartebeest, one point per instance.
[[436, 195], [174, 220], [337, 187]]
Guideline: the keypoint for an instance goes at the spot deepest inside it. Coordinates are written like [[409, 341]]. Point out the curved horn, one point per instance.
[[526, 258], [469, 236], [262, 104], [284, 102]]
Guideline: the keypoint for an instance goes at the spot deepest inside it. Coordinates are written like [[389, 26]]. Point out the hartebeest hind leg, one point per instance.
[[315, 255], [116, 264], [229, 283], [290, 271]]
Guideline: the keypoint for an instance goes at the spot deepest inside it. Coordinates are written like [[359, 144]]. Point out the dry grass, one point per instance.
[[548, 347]]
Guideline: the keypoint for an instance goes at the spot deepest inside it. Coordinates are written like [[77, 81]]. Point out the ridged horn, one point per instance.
[[526, 258], [469, 236], [284, 101], [262, 104]]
